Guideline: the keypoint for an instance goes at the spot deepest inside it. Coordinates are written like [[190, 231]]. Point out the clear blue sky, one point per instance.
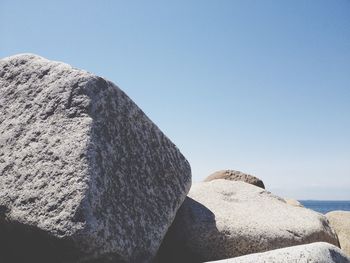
[[258, 86]]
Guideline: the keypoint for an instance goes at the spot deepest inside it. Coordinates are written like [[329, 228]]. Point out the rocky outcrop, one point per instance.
[[340, 222], [319, 252], [84, 173], [235, 176], [222, 219], [293, 202]]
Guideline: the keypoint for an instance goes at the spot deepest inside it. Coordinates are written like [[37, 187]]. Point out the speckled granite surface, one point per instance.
[[83, 165]]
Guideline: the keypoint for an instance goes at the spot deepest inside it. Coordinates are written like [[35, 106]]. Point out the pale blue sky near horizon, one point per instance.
[[262, 87]]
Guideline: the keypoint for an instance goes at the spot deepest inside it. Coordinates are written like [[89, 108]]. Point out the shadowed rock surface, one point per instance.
[[223, 219], [319, 252], [83, 171], [340, 222], [235, 176]]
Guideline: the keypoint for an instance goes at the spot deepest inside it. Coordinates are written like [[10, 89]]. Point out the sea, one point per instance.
[[326, 206]]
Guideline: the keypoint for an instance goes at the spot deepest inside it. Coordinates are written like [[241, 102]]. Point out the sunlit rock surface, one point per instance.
[[84, 173]]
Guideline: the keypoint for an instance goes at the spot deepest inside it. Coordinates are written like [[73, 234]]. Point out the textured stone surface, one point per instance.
[[82, 168], [340, 222], [293, 202], [319, 252], [223, 219], [235, 176]]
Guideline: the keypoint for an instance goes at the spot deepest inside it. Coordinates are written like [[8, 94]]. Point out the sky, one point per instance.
[[262, 87]]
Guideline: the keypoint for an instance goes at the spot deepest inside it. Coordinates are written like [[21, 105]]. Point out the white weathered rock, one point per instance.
[[293, 202], [222, 219], [233, 175], [340, 222], [82, 168], [319, 252]]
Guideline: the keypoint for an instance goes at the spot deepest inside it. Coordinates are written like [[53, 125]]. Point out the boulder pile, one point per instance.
[[86, 176], [222, 219]]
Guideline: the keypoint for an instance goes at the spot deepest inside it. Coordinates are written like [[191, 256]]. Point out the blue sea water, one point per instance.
[[326, 206]]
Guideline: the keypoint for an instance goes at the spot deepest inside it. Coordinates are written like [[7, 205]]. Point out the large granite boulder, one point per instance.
[[84, 173], [233, 175], [223, 219], [340, 222], [319, 252]]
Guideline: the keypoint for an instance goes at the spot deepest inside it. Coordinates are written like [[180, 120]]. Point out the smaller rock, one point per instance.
[[293, 202], [233, 175], [224, 219], [340, 222], [319, 252]]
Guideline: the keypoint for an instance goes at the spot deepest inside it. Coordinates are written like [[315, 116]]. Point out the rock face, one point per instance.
[[84, 174], [340, 222], [235, 176], [319, 252], [223, 219]]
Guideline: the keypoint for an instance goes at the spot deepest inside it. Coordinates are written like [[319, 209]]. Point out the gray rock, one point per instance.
[[235, 176], [84, 173], [340, 222], [222, 219], [319, 252]]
